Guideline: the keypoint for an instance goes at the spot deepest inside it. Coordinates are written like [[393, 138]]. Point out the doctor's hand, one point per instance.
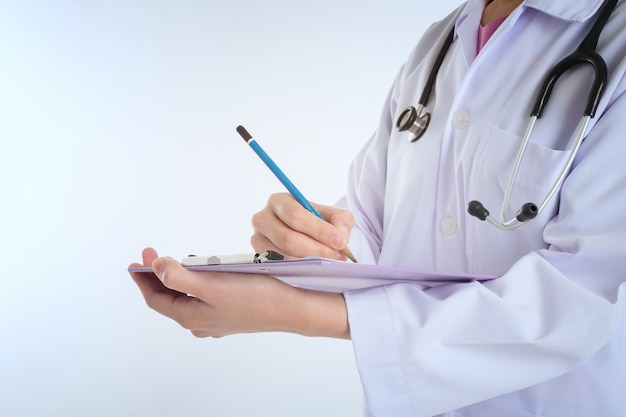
[[288, 228], [220, 303]]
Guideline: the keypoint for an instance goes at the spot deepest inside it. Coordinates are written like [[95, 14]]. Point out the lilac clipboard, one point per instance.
[[337, 276]]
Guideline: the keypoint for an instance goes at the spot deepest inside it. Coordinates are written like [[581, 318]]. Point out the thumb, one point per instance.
[[174, 276]]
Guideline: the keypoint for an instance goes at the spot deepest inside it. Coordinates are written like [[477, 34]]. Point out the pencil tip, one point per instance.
[[349, 255]]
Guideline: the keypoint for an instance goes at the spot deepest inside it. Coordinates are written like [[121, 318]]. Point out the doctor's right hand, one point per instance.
[[288, 228]]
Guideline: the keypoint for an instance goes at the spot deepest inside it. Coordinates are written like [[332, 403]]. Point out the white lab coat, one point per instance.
[[547, 338]]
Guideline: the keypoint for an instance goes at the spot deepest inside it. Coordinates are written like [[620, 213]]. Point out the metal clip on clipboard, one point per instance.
[[256, 258], [268, 255]]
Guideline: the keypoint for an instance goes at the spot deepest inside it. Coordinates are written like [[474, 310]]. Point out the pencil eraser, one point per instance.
[[244, 133]]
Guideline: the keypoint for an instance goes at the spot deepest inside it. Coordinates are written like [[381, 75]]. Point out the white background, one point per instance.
[[117, 131]]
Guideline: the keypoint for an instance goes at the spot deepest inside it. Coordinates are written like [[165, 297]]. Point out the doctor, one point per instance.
[[547, 338]]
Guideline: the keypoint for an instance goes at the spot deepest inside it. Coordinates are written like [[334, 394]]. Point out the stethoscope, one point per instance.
[[415, 120]]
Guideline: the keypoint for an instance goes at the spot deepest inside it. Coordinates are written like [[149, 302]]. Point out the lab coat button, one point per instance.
[[448, 226], [460, 119]]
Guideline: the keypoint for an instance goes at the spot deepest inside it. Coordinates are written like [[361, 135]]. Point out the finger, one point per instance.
[[147, 282], [151, 287], [174, 276], [290, 243], [166, 301], [261, 244], [148, 255], [340, 218], [295, 232], [296, 217]]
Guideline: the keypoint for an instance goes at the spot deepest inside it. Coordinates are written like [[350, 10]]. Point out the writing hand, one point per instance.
[[288, 228]]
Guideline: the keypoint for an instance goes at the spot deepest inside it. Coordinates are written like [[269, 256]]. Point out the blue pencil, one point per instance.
[[283, 178]]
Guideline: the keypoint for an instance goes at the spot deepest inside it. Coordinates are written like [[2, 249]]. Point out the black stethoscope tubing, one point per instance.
[[585, 53], [416, 121]]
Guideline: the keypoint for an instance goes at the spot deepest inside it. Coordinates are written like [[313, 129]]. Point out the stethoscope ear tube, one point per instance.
[[585, 53], [580, 56], [415, 121]]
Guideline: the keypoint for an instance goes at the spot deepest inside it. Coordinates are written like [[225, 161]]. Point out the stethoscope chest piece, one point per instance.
[[415, 121], [410, 120]]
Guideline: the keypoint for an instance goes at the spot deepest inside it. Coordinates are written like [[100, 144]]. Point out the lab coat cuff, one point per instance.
[[376, 351]]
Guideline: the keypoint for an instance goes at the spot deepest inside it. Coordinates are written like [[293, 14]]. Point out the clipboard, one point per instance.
[[336, 276]]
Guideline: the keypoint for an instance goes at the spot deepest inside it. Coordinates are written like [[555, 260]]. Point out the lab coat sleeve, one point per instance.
[[366, 237], [423, 352]]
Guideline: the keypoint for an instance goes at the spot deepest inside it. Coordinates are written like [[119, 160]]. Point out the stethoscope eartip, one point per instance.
[[476, 209], [527, 212]]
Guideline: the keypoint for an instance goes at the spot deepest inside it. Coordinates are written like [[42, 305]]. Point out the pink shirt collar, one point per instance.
[[485, 32]]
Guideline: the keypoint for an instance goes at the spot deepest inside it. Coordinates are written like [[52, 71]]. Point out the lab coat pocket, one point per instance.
[[492, 165], [488, 171]]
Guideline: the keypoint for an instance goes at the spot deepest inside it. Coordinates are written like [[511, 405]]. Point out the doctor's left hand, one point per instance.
[[220, 303]]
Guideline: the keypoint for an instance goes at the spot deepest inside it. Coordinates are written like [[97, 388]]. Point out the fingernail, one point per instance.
[[337, 241]]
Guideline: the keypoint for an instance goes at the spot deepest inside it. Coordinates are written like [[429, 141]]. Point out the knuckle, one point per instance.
[[189, 317], [256, 241], [289, 242], [189, 323], [350, 218], [151, 303], [271, 200], [297, 219], [257, 220], [342, 216], [276, 199]]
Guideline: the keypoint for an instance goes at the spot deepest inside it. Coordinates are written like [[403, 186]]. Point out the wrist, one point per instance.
[[317, 314]]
